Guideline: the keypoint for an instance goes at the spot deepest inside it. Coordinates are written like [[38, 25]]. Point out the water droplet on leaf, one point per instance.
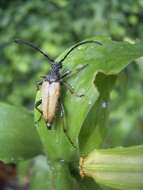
[[104, 104]]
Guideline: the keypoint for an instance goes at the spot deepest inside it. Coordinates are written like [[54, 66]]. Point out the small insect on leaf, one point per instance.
[[50, 86]]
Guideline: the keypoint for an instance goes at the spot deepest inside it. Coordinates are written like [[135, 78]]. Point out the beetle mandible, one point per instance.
[[50, 86]]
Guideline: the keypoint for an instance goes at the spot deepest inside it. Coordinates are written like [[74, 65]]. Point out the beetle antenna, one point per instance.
[[78, 44], [19, 41]]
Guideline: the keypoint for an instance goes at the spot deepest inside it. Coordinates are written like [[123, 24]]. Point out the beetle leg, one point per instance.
[[38, 84], [67, 73], [70, 73], [43, 76], [71, 89], [38, 103], [64, 129]]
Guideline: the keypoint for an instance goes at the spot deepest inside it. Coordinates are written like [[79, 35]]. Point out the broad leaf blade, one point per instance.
[[18, 137], [109, 58], [95, 124]]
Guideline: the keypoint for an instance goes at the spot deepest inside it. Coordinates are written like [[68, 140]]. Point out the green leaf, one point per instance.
[[109, 58], [120, 168], [95, 124], [88, 184], [51, 175], [55, 142], [18, 137], [47, 175]]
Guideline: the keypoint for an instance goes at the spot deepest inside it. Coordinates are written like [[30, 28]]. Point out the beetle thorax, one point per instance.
[[54, 74]]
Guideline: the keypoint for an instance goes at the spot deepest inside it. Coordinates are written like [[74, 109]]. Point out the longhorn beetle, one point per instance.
[[51, 83]]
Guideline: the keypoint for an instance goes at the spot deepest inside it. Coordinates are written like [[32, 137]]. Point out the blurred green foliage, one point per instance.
[[57, 24]]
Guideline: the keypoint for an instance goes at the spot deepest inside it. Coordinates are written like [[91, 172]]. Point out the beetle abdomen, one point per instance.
[[50, 93]]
